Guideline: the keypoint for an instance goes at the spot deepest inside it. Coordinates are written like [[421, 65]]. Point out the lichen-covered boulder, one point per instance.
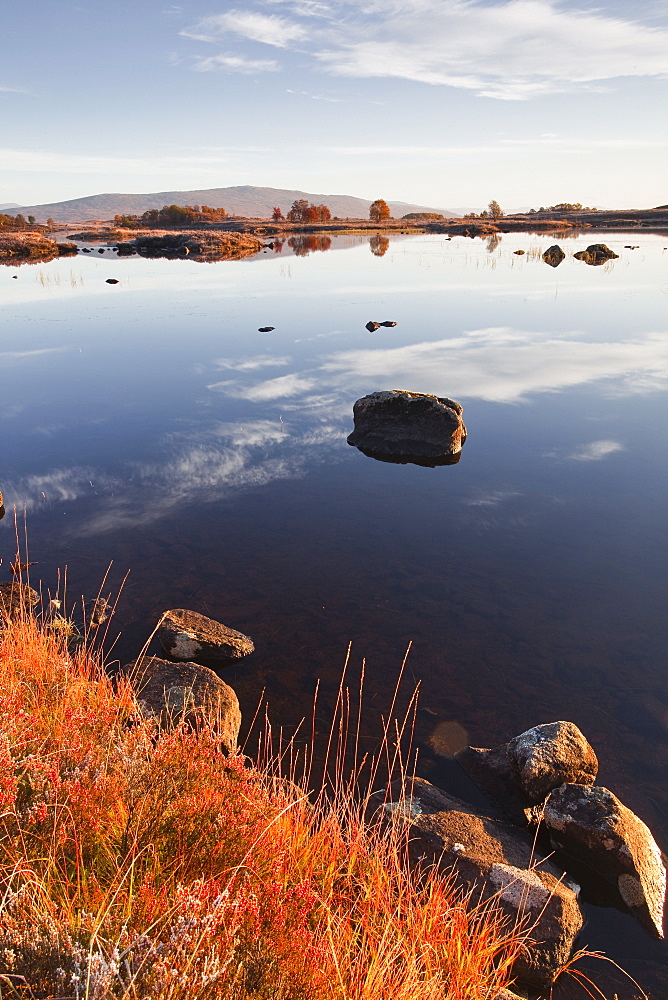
[[549, 755], [495, 860], [407, 425], [596, 254], [187, 693], [187, 635], [521, 773], [592, 825], [554, 255]]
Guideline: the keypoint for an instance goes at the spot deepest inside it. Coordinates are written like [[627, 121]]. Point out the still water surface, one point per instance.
[[151, 424]]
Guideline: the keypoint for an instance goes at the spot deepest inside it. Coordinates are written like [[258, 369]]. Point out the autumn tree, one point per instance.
[[301, 211], [495, 210], [277, 215], [379, 211]]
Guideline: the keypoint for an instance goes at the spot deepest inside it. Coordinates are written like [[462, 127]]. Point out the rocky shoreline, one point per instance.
[[548, 835]]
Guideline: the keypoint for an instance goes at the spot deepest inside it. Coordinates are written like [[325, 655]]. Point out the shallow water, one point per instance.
[[150, 424]]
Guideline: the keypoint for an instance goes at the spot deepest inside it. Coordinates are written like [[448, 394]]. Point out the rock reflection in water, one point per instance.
[[428, 463]]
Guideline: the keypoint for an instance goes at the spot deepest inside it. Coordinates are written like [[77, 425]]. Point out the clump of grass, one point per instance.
[[138, 863]]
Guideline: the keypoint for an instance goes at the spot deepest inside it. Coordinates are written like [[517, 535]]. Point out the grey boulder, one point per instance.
[[400, 424], [592, 825], [494, 860], [189, 693], [187, 635]]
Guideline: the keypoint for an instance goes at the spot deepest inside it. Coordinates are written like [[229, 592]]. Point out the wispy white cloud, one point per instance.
[[506, 365], [595, 451], [269, 29], [252, 433], [510, 50], [275, 388], [249, 364], [513, 50], [236, 64], [11, 357]]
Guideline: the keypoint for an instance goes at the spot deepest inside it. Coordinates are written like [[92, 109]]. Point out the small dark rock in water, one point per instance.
[[402, 426], [112, 281], [596, 254], [16, 597], [387, 322], [97, 611], [519, 253], [2, 511], [372, 326], [187, 635], [554, 256], [265, 329], [15, 276], [101, 250]]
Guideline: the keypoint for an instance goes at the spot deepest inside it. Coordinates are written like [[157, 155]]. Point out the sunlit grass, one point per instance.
[[140, 863]]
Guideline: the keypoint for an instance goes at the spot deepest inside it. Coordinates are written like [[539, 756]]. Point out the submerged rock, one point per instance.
[[592, 825], [265, 329], [554, 256], [16, 597], [596, 254], [495, 860], [403, 426], [372, 326], [187, 635], [189, 693]]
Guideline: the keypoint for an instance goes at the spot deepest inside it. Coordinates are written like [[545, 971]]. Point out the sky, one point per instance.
[[443, 103]]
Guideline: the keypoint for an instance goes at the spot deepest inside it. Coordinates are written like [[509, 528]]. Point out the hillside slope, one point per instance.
[[243, 200]]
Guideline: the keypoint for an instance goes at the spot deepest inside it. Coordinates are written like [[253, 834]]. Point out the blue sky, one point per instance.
[[447, 103]]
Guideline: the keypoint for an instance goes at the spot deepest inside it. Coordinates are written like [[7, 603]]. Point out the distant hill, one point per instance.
[[244, 200], [9, 204]]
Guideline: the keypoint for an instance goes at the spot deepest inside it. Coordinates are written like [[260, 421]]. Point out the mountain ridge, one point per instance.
[[244, 200]]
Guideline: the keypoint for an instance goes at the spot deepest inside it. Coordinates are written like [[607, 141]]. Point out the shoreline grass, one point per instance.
[[142, 863]]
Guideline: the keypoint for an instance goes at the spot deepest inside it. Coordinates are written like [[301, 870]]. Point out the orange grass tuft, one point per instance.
[[145, 864]]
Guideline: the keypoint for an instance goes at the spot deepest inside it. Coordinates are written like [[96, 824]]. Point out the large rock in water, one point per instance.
[[407, 426], [592, 825], [493, 859], [521, 773], [187, 635], [596, 254], [185, 693], [554, 255]]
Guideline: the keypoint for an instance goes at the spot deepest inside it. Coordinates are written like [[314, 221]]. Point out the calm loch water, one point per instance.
[[150, 425]]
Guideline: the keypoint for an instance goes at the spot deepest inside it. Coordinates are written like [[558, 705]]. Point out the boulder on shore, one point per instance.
[[399, 425], [592, 825], [494, 860], [187, 635], [596, 254], [189, 693]]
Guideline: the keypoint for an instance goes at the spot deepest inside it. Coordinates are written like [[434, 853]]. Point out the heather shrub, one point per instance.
[[143, 863]]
